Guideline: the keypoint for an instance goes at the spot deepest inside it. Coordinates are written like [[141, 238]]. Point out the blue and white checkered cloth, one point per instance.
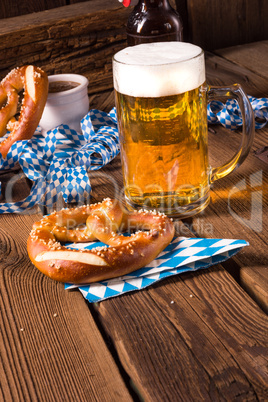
[[229, 114], [181, 255], [58, 162]]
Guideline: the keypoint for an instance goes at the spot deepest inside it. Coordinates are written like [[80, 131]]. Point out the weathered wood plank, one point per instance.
[[79, 38], [51, 348], [13, 8], [239, 202], [217, 24], [221, 71], [253, 56], [191, 327], [240, 216], [254, 281]]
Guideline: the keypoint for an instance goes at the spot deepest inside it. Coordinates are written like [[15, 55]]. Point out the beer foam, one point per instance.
[[158, 69]]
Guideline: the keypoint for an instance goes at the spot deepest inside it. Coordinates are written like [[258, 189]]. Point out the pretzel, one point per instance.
[[125, 254], [34, 81]]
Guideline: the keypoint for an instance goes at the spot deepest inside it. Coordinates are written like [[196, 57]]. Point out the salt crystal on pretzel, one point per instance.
[[123, 256], [34, 81]]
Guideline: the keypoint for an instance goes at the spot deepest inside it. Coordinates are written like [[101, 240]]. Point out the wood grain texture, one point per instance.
[[80, 38], [253, 56], [191, 335], [220, 70], [217, 24], [254, 280], [239, 202], [14, 8], [51, 348]]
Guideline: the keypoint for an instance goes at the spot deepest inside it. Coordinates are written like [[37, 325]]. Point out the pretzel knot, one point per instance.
[[102, 221], [34, 81]]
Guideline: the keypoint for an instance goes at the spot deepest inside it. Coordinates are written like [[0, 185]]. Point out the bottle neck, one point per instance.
[[153, 21], [147, 4]]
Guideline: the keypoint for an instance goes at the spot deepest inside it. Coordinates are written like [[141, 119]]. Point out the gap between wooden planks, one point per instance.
[[48, 335]]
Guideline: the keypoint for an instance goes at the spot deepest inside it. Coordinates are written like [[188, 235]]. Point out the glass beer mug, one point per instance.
[[161, 101]]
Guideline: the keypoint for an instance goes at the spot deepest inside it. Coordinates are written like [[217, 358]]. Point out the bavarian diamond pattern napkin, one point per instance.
[[229, 114], [58, 162], [181, 255]]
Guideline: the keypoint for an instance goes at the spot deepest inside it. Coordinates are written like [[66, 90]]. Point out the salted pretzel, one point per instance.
[[34, 82], [104, 221]]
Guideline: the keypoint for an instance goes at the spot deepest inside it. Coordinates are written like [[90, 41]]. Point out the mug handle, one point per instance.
[[235, 91]]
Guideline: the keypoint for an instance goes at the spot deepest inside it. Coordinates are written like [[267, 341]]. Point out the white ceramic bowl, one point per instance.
[[67, 106]]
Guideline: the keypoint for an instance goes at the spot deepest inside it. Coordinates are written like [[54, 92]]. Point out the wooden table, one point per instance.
[[194, 337]]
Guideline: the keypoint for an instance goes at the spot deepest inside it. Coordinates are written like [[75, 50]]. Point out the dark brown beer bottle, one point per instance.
[[153, 21]]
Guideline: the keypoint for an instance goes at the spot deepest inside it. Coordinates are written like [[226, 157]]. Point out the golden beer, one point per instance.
[[161, 109], [164, 149]]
